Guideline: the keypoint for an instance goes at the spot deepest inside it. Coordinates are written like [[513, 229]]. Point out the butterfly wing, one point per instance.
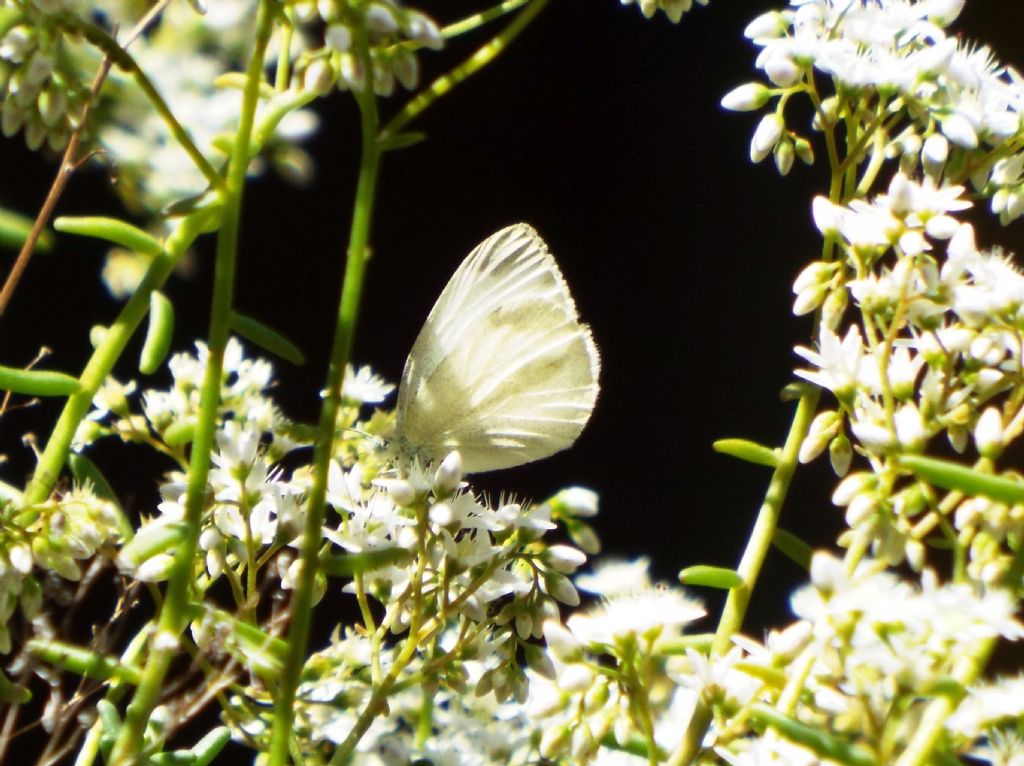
[[502, 370]]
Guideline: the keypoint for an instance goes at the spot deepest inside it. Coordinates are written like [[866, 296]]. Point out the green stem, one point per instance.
[[932, 726], [105, 357], [174, 614], [124, 60], [91, 745], [764, 528], [483, 56], [401, 659], [750, 565], [470, 23], [341, 349]]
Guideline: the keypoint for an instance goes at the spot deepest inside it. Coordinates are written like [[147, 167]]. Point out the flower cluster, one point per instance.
[[674, 9], [610, 673], [42, 92], [958, 108], [469, 586], [919, 338], [391, 32], [46, 69], [55, 536], [440, 721], [188, 56], [938, 351], [919, 333], [870, 647]]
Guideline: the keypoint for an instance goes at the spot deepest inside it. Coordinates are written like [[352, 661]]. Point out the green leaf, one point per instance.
[[15, 228], [772, 677], [748, 451], [110, 725], [821, 742], [209, 200], [159, 333], [12, 693], [953, 476], [635, 745], [173, 758], [700, 642], [793, 548], [796, 390], [350, 564], [401, 140], [266, 338], [151, 540], [179, 434], [209, 747], [110, 230], [711, 577], [38, 382], [249, 644], [83, 662]]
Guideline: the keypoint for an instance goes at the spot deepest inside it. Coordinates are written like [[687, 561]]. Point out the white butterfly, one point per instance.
[[502, 370]]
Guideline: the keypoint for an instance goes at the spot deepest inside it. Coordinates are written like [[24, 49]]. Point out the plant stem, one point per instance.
[[750, 565], [483, 56], [174, 614], [470, 23], [933, 722], [68, 163], [91, 744], [764, 528], [123, 59], [341, 349], [105, 357]]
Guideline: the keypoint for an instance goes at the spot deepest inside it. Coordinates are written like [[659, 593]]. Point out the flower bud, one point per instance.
[[560, 588], [840, 454], [579, 502], [988, 433], [784, 156], [563, 558], [767, 134], [448, 475], [782, 71], [934, 153], [960, 131], [746, 98], [319, 77]]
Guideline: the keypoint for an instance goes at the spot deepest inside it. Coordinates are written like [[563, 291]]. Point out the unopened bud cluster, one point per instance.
[[390, 33], [41, 96]]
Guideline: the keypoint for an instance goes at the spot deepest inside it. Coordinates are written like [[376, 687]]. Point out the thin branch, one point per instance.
[[69, 164]]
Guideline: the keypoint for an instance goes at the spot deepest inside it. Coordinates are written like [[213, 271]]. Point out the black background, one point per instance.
[[604, 131]]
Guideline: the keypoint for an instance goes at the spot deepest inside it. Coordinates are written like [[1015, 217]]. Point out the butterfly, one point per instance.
[[502, 371]]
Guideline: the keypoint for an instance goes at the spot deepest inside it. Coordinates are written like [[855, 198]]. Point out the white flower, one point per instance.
[[838, 362], [365, 386], [642, 613], [613, 577], [718, 674], [1004, 748]]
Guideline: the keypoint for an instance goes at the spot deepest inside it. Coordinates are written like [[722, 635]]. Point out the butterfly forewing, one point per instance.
[[502, 370]]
